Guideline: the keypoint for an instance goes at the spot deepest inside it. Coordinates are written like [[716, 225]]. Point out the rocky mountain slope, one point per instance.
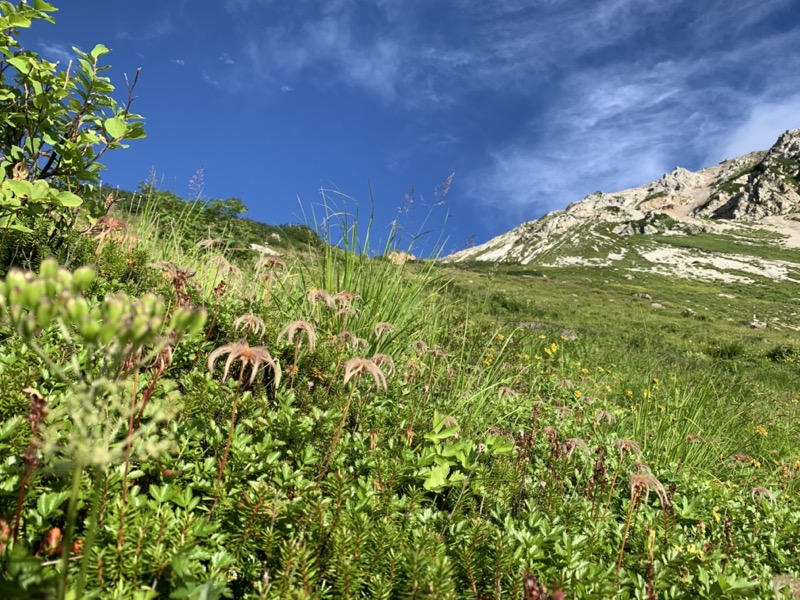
[[728, 222]]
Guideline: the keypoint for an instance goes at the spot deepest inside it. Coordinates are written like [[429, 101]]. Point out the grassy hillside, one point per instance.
[[334, 425]]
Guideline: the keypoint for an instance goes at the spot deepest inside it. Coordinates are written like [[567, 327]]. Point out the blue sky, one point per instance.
[[532, 104]]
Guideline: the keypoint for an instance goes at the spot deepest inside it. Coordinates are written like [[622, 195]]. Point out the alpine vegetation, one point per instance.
[[183, 417]]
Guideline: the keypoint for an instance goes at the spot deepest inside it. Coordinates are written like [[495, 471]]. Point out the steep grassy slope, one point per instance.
[[340, 426]]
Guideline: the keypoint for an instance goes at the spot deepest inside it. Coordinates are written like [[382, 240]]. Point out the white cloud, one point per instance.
[[625, 124], [158, 27], [760, 129], [209, 80], [329, 43], [226, 59], [287, 88], [178, 61], [55, 52], [611, 103]]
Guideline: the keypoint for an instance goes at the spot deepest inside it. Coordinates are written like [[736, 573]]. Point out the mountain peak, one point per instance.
[[759, 190]]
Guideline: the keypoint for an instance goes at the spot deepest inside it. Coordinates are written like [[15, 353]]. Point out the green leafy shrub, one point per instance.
[[57, 124]]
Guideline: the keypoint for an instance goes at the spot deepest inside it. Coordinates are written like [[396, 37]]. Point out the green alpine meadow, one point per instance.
[[198, 405]]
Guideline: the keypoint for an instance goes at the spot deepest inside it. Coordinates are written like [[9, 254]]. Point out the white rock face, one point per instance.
[[760, 188]]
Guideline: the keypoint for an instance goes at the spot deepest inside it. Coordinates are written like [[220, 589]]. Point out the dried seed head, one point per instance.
[[294, 327], [210, 242], [436, 352], [419, 346], [605, 415], [385, 360], [356, 366], [506, 391], [562, 411], [628, 446], [251, 323], [573, 443], [381, 328], [315, 296], [352, 340], [346, 311], [643, 481], [246, 355], [551, 433], [271, 262], [758, 494], [344, 298], [450, 422]]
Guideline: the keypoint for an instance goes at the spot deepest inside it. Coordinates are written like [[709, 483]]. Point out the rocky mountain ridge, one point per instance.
[[749, 199]]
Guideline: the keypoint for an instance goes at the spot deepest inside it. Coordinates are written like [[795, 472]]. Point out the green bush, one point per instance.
[[57, 124]]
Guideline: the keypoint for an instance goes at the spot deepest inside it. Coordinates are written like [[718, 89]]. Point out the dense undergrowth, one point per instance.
[[182, 419]]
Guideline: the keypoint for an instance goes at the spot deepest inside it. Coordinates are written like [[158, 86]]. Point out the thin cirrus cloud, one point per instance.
[[55, 52], [156, 28], [626, 122], [618, 91]]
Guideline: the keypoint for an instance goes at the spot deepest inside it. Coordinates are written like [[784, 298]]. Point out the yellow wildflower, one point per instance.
[[760, 429]]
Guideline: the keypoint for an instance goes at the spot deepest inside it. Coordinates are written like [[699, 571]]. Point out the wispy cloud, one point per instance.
[[287, 88], [613, 91], [626, 122], [226, 59], [760, 129], [178, 61], [209, 80], [55, 52], [328, 43], [158, 27]]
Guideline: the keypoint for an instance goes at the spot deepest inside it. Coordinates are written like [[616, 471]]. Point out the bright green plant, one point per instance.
[[57, 122], [86, 422]]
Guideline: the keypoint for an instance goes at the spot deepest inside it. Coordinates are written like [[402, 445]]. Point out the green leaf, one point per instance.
[[22, 189], [437, 478], [499, 444], [48, 504], [116, 127], [68, 199], [44, 6], [99, 50], [20, 63]]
